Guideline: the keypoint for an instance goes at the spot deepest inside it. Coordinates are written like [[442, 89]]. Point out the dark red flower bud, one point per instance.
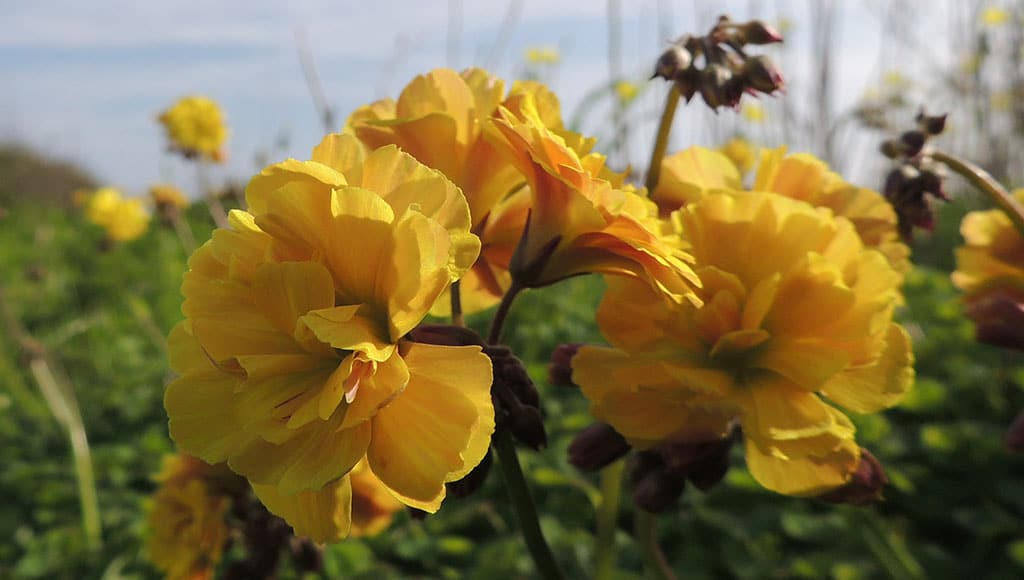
[[597, 446], [931, 124], [913, 141], [658, 490], [761, 75], [560, 368], [998, 316], [757, 32], [865, 486], [672, 62]]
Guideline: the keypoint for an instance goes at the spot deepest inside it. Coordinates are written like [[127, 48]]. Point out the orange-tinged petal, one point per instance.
[[323, 515], [777, 409], [438, 429], [387, 381]]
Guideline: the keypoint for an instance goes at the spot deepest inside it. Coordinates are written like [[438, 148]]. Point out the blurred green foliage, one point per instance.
[[955, 507]]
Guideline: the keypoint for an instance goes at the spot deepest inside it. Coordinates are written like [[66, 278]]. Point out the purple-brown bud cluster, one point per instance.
[[916, 179], [865, 486], [717, 66], [659, 475]]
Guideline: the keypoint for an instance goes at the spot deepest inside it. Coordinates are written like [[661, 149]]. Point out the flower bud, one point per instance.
[[527, 425], [560, 367], [1015, 435], [704, 463], [998, 316], [931, 124], [893, 148], [713, 80], [597, 446], [757, 32], [865, 485], [761, 75], [913, 141], [672, 62], [658, 490]]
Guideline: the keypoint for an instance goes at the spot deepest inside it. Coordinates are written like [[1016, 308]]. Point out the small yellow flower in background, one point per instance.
[[186, 519], [994, 16], [122, 219], [626, 91], [990, 272], [895, 80], [195, 128], [292, 357], [754, 113], [797, 317], [741, 152], [439, 119], [542, 55], [164, 195], [1001, 101], [581, 223]]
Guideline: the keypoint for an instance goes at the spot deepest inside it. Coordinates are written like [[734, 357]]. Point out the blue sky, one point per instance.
[[87, 79]]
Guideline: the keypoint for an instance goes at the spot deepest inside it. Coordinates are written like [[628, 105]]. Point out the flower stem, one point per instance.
[[980, 179], [522, 504], [607, 514], [661, 141], [646, 530], [457, 318], [494, 335]]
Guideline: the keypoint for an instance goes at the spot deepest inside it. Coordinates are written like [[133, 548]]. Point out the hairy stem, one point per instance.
[[607, 514], [980, 179]]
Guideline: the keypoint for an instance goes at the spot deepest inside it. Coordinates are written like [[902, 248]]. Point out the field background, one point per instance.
[[98, 314]]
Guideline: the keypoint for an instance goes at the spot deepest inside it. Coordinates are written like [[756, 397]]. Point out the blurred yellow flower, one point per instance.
[[895, 80], [195, 128], [373, 506], [581, 223], [994, 16], [439, 119], [293, 358], [167, 198], [187, 530], [123, 219], [741, 152], [754, 113], [1001, 101], [542, 55], [626, 91], [797, 317]]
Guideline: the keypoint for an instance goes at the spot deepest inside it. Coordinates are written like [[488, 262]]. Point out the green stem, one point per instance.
[[607, 514], [456, 295], [494, 335], [980, 179], [647, 536], [522, 504], [661, 141]]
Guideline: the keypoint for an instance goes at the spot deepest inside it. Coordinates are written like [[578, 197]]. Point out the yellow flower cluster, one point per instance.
[[186, 520], [195, 128], [122, 219], [293, 358], [784, 334]]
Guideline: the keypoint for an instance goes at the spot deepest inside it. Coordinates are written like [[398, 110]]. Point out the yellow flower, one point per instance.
[[168, 196], [754, 113], [797, 317], [123, 219], [195, 127], [994, 16], [439, 119], [542, 55], [689, 174], [741, 152], [805, 177], [580, 223], [292, 356], [187, 530], [626, 91]]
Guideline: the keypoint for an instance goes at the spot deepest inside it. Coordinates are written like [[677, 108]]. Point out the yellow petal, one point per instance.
[[377, 390], [203, 418], [350, 328], [808, 363], [776, 409], [316, 455], [439, 428], [322, 515], [308, 175], [285, 292], [342, 153], [809, 475], [185, 353], [879, 385]]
